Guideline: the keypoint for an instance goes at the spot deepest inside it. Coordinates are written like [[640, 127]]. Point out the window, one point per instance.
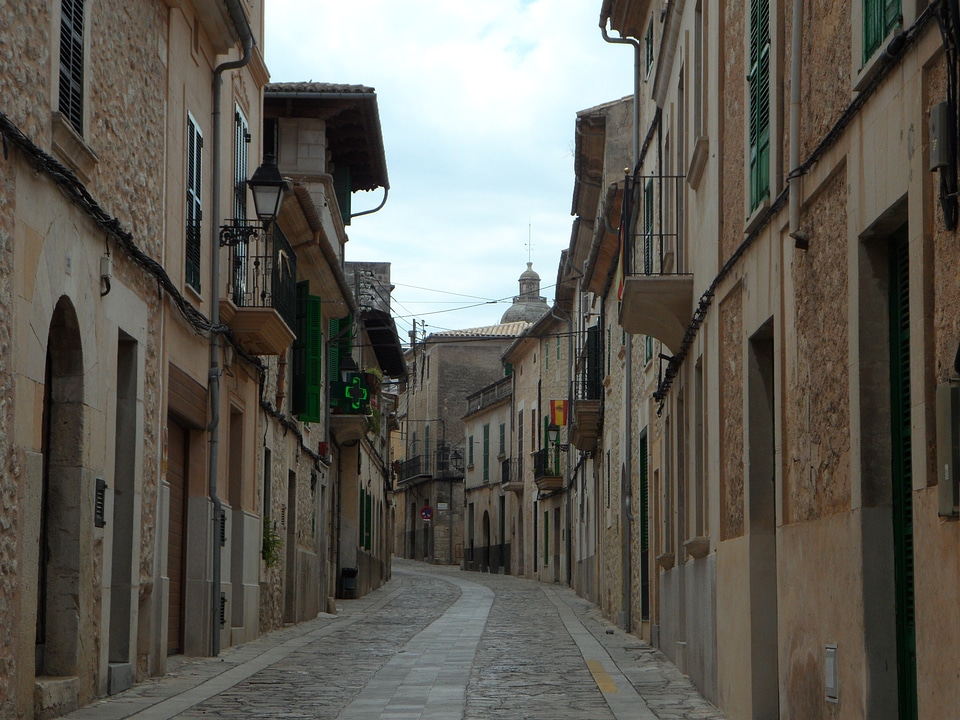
[[546, 357], [306, 398], [241, 138], [558, 348], [648, 44], [649, 348], [503, 439], [194, 205], [648, 228], [759, 87], [880, 17], [71, 63], [470, 451], [698, 86], [486, 451]]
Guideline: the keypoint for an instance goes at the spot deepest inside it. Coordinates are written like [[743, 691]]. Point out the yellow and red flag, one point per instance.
[[558, 412]]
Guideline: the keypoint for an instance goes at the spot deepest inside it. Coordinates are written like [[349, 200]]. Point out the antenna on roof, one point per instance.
[[529, 241]]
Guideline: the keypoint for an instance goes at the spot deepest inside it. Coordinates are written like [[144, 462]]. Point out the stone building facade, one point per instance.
[[164, 490]]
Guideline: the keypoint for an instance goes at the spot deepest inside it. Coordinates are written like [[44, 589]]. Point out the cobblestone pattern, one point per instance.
[[322, 678], [526, 664], [524, 667]]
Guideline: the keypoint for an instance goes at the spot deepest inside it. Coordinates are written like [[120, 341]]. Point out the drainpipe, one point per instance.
[[801, 237], [213, 378], [626, 482]]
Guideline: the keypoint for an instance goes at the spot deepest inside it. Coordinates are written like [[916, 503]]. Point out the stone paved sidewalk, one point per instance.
[[433, 643]]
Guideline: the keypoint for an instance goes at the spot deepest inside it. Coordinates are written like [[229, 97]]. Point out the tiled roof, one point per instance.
[[510, 329], [315, 87]]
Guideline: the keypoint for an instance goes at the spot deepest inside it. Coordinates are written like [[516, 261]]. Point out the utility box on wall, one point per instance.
[[948, 448]]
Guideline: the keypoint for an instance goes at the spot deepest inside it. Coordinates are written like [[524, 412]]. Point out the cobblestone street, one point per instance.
[[433, 643]]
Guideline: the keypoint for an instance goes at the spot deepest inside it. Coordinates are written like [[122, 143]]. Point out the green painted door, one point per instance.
[[902, 475]]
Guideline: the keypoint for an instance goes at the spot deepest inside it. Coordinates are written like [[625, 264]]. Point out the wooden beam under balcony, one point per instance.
[[660, 306], [260, 330]]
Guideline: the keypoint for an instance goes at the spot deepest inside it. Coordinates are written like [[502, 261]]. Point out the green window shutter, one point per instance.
[[648, 228], [313, 361], [503, 438], [902, 480], [546, 537], [71, 63], [298, 371], [334, 350], [305, 400], [880, 17], [759, 80], [486, 451]]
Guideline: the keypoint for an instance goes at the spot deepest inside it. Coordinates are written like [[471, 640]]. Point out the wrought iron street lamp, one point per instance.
[[267, 185], [553, 436]]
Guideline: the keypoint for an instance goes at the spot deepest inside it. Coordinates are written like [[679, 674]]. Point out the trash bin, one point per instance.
[[349, 579]]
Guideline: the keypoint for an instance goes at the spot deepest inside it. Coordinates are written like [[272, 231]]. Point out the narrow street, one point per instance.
[[434, 642]]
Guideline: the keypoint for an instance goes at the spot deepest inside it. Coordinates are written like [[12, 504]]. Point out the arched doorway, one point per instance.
[[60, 596]]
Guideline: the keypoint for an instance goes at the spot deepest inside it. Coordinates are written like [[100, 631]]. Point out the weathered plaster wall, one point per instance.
[[731, 410], [817, 418]]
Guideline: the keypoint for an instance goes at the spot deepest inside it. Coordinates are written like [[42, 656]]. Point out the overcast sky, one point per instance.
[[478, 102]]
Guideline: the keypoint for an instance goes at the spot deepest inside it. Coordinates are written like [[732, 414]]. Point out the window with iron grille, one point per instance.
[[194, 210], [880, 17], [71, 63], [759, 86]]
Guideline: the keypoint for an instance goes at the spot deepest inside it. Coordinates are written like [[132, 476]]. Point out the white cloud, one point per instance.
[[477, 106]]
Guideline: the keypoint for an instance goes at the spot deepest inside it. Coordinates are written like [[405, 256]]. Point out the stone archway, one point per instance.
[[60, 591]]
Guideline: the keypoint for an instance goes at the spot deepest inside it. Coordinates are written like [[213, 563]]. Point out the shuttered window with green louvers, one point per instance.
[[759, 86], [71, 63], [880, 17], [307, 396]]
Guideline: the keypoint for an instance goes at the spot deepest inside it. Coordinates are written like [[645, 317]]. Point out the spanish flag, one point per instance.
[[558, 413]]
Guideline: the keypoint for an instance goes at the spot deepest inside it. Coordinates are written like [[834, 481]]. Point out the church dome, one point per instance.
[[528, 306]]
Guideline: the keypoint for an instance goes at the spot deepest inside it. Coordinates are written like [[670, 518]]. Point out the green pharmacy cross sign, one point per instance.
[[351, 396]]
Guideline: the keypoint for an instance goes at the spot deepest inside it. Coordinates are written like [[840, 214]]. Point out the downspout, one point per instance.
[[213, 377], [626, 483], [378, 208], [801, 237]]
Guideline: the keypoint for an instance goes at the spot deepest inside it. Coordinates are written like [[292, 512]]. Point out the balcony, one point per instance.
[[260, 304], [511, 475], [444, 463], [587, 405], [547, 473], [657, 288]]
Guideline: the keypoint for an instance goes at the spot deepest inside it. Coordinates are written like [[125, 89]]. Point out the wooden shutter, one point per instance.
[[902, 475], [880, 17], [194, 210], [71, 63], [307, 395], [298, 371], [759, 80]]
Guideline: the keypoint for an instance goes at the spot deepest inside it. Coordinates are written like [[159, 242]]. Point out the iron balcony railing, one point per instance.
[[654, 210], [546, 463], [444, 463], [511, 470], [490, 394], [588, 382], [263, 268]]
